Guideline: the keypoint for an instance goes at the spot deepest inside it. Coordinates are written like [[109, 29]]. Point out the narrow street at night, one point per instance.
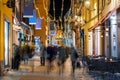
[[59, 39]]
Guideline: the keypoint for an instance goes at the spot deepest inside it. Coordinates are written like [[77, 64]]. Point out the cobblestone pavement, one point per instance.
[[37, 72]]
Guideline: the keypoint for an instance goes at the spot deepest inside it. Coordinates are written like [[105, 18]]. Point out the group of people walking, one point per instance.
[[50, 53], [59, 53], [21, 53]]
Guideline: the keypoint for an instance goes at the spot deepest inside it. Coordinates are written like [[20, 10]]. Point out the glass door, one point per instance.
[[6, 43]]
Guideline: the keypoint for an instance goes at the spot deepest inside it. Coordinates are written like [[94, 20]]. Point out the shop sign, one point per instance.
[[59, 38], [52, 26], [28, 9], [52, 33], [32, 20], [38, 23]]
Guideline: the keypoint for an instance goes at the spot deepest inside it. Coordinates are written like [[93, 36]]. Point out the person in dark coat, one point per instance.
[[15, 52], [73, 56], [26, 51], [17, 58], [49, 57], [42, 54], [61, 57]]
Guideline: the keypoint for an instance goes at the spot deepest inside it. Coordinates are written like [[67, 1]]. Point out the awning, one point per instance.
[[101, 21], [94, 26], [104, 18]]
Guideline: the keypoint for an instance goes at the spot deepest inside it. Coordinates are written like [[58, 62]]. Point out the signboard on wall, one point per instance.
[[52, 28], [38, 23]]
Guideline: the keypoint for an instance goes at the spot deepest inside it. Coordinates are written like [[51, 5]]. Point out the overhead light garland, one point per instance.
[[62, 13], [60, 17], [46, 10], [54, 8]]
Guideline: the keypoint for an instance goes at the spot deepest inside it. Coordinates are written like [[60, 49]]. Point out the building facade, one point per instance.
[[5, 34], [101, 28]]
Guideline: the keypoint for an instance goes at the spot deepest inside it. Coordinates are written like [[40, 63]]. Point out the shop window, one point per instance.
[[6, 43]]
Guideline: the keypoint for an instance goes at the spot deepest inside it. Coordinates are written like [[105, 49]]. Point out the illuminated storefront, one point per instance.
[[37, 44], [97, 41], [114, 34], [6, 43], [82, 42], [90, 37], [5, 35]]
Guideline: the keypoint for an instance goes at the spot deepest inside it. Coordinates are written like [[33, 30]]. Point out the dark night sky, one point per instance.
[[58, 6]]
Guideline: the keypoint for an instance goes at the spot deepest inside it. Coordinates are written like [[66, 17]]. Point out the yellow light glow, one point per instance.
[[87, 3], [107, 29], [101, 36], [76, 16]]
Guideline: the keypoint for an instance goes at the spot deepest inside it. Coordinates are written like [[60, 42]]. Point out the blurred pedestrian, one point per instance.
[[15, 52], [49, 57], [61, 51], [73, 56], [17, 57], [26, 51], [42, 54]]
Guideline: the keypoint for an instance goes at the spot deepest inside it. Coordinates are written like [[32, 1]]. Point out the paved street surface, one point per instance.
[[33, 71]]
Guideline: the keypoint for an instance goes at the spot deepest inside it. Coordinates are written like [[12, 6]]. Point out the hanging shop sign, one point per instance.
[[28, 8], [52, 33], [32, 20], [38, 23], [52, 28]]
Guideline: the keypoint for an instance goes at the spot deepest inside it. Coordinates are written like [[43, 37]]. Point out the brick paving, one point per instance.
[[37, 72]]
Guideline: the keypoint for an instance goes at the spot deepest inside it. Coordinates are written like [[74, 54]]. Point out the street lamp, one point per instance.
[[107, 29], [87, 5]]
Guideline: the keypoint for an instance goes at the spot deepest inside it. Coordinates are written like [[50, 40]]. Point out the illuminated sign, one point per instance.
[[32, 20], [52, 26], [28, 8], [38, 23]]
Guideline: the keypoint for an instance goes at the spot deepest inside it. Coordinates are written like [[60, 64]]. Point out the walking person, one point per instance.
[[42, 54], [26, 51], [15, 52], [61, 51], [49, 57], [73, 56]]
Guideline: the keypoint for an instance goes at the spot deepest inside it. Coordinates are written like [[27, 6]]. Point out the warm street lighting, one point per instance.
[[101, 36], [76, 17], [87, 5], [107, 29]]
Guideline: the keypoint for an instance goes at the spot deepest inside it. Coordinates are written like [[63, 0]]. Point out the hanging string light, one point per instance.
[[62, 8], [54, 8], [45, 8], [42, 17], [62, 13]]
